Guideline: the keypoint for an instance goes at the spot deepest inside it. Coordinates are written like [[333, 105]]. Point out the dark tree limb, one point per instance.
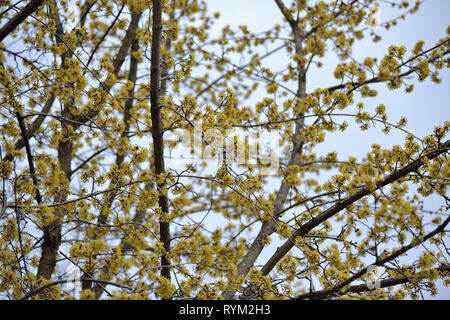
[[19, 18], [34, 127], [157, 131], [23, 131]]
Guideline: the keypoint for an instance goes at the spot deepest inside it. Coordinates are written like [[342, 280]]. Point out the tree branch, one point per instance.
[[58, 282], [323, 294], [344, 203], [286, 15], [19, 18], [157, 131], [23, 131], [378, 79]]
